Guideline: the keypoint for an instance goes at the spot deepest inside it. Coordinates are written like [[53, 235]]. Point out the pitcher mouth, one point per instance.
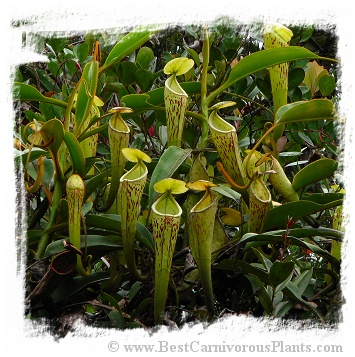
[[181, 92], [176, 215]]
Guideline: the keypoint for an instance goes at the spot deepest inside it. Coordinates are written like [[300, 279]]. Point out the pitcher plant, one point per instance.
[[201, 220], [275, 36], [130, 193], [166, 216], [175, 99], [119, 133], [75, 195]]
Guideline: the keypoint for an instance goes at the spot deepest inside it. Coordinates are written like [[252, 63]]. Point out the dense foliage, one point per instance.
[[181, 175]]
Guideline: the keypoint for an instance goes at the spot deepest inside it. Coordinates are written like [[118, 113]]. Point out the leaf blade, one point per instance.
[[168, 163]]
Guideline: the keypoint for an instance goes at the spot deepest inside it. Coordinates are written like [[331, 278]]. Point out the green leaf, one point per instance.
[[228, 192], [265, 261], [76, 153], [194, 55], [142, 307], [264, 86], [305, 138], [81, 51], [168, 163], [327, 85], [113, 302], [127, 73], [112, 222], [96, 244], [56, 44], [92, 184], [126, 46], [134, 289], [295, 78], [90, 75], [78, 284], [117, 319], [322, 198], [314, 172], [144, 79], [316, 109], [144, 57], [265, 300], [303, 280], [261, 60], [264, 239], [35, 153], [279, 216], [307, 232], [283, 308], [26, 92], [291, 290], [244, 267], [280, 272]]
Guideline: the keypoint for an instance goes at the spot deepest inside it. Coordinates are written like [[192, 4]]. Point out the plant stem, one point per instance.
[[204, 103], [57, 195], [206, 282]]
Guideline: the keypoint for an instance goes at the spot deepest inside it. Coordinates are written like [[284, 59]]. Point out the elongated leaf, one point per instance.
[[303, 280], [168, 163], [77, 284], [26, 92], [96, 244], [314, 172], [279, 216], [143, 306], [265, 261], [316, 109], [117, 319], [307, 232], [264, 296], [283, 308], [126, 46], [261, 60], [112, 222], [264, 239], [76, 153], [291, 290], [35, 153], [113, 302], [280, 272], [267, 58], [228, 192], [323, 198], [92, 184], [242, 266]]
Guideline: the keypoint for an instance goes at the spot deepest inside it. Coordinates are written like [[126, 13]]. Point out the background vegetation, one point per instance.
[[287, 266]]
